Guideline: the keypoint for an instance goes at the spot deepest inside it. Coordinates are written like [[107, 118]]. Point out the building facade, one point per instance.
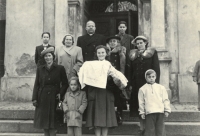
[[172, 27]]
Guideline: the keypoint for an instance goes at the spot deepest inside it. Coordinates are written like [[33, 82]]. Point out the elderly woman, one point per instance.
[[51, 82], [70, 56], [142, 58]]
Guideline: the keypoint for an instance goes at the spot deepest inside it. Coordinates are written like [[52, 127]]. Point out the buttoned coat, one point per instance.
[[126, 42], [115, 60], [71, 59], [138, 68], [74, 106], [89, 43], [48, 83], [39, 60], [196, 72]]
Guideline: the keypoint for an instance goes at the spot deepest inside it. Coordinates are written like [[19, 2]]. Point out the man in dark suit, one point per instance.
[[90, 41], [126, 42], [39, 60]]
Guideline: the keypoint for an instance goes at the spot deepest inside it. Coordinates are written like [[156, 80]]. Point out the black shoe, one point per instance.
[[141, 132], [119, 118]]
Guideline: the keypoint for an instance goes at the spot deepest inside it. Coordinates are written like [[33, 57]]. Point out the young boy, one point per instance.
[[118, 61], [153, 105]]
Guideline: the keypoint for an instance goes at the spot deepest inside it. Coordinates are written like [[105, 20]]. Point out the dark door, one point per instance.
[[107, 23], [2, 46]]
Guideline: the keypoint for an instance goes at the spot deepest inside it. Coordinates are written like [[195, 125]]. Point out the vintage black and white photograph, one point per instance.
[[99, 67]]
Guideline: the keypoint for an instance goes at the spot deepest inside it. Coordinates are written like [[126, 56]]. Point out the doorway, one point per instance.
[[107, 22], [2, 46]]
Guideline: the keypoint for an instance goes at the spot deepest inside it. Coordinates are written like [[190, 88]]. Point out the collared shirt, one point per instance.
[[121, 35], [45, 46], [67, 48], [91, 34]]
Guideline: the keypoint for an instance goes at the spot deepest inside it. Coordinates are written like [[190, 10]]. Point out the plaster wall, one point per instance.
[[24, 25], [189, 47], [49, 19], [188, 34]]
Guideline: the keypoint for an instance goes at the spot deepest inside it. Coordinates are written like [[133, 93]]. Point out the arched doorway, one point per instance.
[[108, 13]]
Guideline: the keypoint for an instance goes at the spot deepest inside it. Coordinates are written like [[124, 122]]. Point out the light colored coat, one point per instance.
[[153, 98], [196, 72], [74, 106], [71, 59]]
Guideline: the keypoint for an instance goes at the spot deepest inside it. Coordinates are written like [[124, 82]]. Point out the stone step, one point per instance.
[[40, 134], [175, 116], [128, 128]]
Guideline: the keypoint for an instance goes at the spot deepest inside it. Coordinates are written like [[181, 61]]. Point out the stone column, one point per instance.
[[24, 25], [75, 18], [158, 23], [49, 19], [172, 44], [61, 20], [140, 18], [158, 40], [147, 19]]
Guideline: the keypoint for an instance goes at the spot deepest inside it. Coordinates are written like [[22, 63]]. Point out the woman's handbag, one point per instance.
[[59, 106]]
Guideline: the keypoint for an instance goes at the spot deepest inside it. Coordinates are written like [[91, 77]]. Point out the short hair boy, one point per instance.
[[153, 104]]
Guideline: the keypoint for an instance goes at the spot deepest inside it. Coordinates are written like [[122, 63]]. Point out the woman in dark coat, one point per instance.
[[142, 58], [51, 82]]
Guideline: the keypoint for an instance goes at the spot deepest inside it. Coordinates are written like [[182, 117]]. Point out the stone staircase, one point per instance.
[[18, 121]]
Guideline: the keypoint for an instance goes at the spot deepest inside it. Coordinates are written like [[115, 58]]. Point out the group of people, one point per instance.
[[57, 79]]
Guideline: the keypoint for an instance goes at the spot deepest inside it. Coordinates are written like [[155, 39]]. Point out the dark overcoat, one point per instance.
[[48, 83], [115, 61], [138, 68], [39, 60], [126, 42], [89, 43]]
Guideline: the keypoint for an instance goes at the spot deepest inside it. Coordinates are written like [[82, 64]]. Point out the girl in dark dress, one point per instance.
[[51, 82], [142, 58], [101, 111]]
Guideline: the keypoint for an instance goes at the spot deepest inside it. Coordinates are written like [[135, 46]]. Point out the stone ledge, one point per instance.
[[127, 128], [175, 116], [74, 2], [167, 59], [41, 134]]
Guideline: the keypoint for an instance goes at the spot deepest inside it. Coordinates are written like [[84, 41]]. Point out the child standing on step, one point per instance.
[[74, 104], [153, 105]]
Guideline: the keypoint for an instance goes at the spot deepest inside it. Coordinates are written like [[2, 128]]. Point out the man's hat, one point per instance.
[[50, 49], [139, 37], [113, 37]]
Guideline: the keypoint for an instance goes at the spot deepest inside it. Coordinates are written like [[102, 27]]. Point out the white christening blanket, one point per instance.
[[95, 73]]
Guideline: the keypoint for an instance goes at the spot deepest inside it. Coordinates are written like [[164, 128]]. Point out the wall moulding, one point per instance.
[[74, 2]]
